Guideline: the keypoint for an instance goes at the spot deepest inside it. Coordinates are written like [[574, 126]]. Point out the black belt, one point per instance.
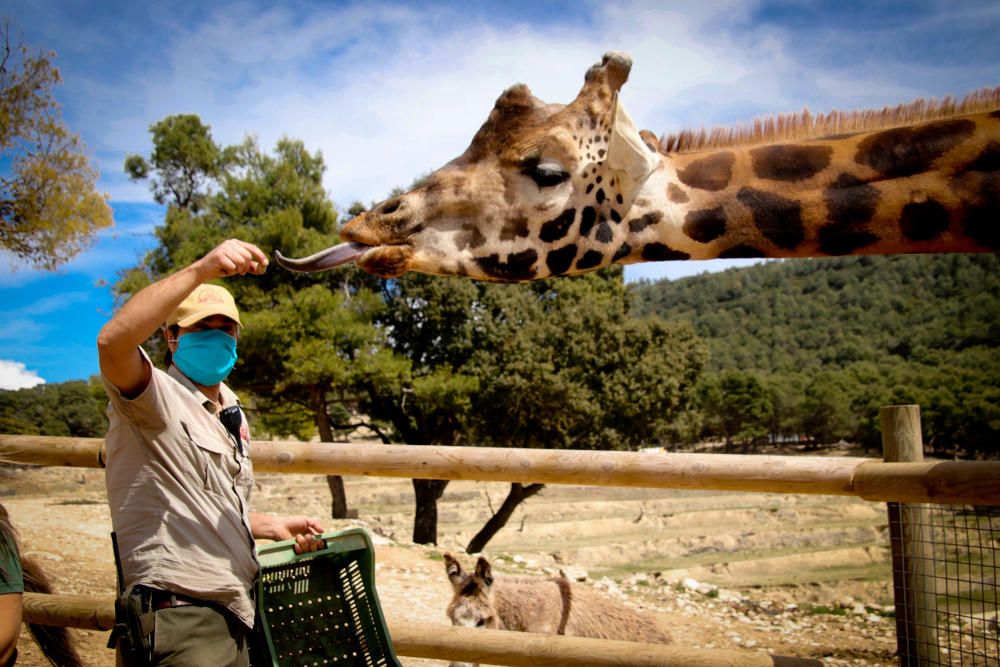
[[167, 600]]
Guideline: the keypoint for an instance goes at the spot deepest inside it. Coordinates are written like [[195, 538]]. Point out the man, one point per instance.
[[178, 470]]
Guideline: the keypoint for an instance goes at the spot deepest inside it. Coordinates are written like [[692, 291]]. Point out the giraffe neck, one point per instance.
[[929, 187]]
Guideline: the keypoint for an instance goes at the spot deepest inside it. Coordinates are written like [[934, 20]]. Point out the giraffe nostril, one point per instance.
[[390, 206]]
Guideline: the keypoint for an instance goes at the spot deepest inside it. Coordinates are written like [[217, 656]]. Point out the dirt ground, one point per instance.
[[791, 575]]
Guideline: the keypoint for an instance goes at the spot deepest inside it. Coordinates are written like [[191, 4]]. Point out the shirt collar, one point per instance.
[[227, 394]]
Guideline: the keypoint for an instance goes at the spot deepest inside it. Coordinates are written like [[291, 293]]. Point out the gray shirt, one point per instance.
[[179, 489]]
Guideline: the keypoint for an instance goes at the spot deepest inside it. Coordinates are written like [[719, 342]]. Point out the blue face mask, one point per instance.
[[206, 356]]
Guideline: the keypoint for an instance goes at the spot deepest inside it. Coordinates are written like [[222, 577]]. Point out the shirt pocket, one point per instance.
[[209, 455]]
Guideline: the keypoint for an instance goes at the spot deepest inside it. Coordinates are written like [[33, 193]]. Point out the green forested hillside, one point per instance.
[[831, 340]]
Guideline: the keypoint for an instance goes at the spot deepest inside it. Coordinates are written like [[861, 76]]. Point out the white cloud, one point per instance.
[[15, 375]]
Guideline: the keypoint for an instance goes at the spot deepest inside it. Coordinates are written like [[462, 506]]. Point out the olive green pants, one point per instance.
[[196, 636]]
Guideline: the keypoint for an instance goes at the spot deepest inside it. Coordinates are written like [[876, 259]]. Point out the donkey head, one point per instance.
[[472, 603]]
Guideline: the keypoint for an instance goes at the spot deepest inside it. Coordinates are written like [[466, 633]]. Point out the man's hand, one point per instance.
[[231, 258], [303, 528]]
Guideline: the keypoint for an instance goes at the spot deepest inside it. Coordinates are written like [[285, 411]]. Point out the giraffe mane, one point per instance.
[[805, 125]]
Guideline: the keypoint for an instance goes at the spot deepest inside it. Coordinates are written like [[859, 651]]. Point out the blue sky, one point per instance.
[[390, 90]]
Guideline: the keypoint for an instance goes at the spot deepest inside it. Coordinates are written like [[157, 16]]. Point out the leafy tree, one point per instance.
[[836, 339], [553, 364], [737, 405], [75, 409], [49, 206], [825, 410], [185, 159]]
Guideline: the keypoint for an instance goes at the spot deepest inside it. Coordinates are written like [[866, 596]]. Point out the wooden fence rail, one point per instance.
[[423, 640], [956, 482]]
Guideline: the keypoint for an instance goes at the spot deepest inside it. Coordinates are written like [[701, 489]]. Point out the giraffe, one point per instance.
[[554, 190]]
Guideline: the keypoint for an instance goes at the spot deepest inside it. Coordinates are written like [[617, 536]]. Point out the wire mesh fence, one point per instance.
[[945, 565]]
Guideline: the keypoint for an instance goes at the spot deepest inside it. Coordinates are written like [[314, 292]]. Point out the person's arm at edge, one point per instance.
[[10, 624], [119, 340]]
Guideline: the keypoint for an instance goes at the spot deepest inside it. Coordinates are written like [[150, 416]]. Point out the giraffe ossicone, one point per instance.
[[553, 190]]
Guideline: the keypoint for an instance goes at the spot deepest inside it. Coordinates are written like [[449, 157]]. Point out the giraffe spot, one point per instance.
[[600, 195], [560, 260], [519, 266], [706, 224], [624, 251], [777, 218], [851, 203], [741, 252], [636, 225], [604, 233], [659, 252], [850, 200], [677, 195], [587, 220], [844, 239], [790, 162], [589, 260], [709, 173], [469, 237], [981, 213], [616, 216], [923, 221], [558, 227], [514, 228], [988, 160], [906, 151]]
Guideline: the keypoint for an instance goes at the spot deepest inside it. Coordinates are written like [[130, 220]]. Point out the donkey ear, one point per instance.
[[454, 570], [484, 571], [627, 152]]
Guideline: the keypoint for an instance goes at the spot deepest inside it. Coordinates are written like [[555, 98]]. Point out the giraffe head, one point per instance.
[[505, 209]]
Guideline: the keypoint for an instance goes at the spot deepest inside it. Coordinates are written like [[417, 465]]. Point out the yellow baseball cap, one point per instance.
[[205, 301]]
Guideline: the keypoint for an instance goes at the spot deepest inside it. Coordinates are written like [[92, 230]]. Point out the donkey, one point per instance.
[[546, 605]]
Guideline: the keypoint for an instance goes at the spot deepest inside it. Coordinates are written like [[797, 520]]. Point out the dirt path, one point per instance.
[[792, 575]]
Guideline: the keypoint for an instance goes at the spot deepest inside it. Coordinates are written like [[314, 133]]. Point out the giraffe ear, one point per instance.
[[627, 152]]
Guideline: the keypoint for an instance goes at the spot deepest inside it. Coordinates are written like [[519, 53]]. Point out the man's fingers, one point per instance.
[[235, 257], [307, 543]]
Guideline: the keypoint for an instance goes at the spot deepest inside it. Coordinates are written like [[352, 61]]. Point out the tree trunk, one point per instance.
[[338, 503], [518, 493], [427, 492]]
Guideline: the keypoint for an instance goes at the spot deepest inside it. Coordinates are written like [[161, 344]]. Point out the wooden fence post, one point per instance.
[[912, 550]]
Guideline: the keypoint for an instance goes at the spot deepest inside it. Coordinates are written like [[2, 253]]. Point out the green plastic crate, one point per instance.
[[321, 608]]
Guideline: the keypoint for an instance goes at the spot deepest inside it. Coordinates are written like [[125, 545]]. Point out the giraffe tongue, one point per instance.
[[342, 253]]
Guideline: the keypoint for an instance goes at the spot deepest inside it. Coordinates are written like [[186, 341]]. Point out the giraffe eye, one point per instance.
[[544, 174]]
